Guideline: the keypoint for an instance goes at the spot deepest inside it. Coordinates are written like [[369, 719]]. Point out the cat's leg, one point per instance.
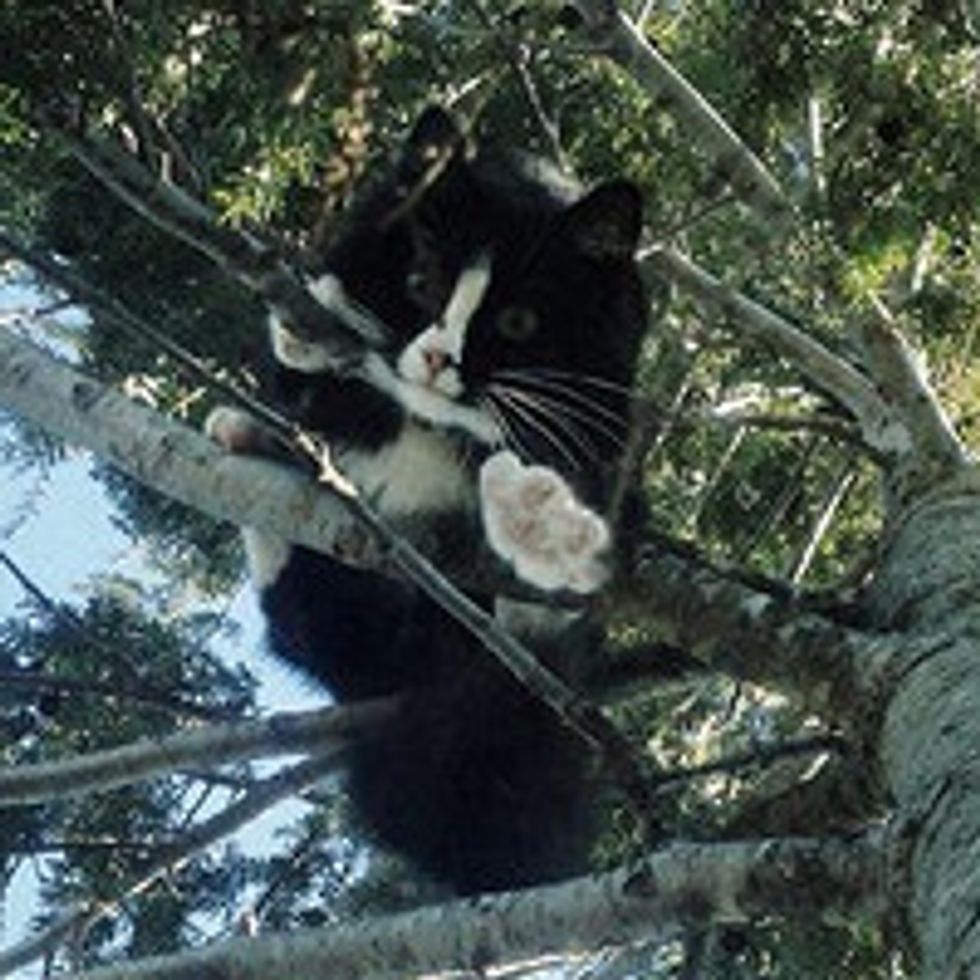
[[534, 521], [238, 432]]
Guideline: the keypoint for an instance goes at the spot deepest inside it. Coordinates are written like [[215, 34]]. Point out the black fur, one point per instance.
[[479, 784]]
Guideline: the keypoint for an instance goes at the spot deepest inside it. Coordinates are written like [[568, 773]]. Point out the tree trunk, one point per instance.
[[927, 587]]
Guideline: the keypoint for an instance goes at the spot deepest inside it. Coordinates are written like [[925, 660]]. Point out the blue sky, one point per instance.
[[58, 528]]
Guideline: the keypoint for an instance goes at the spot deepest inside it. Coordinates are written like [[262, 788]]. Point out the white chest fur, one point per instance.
[[418, 472]]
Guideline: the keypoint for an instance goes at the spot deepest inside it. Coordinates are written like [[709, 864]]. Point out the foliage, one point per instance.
[[106, 675], [272, 112]]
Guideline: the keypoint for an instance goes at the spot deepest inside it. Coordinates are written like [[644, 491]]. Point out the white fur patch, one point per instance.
[[418, 472], [429, 405], [467, 297], [442, 343], [534, 522], [294, 352], [307, 355], [267, 556]]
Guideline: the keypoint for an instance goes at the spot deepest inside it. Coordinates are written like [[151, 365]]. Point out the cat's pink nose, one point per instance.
[[435, 362]]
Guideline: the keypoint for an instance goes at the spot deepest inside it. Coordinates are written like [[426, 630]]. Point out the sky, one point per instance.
[[58, 528]]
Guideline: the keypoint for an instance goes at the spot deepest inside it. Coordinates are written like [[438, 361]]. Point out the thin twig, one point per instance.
[[832, 499], [780, 505]]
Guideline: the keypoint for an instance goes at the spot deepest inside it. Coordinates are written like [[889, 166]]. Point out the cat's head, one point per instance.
[[536, 307], [513, 298]]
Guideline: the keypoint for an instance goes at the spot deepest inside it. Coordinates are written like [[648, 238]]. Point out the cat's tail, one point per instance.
[[479, 784]]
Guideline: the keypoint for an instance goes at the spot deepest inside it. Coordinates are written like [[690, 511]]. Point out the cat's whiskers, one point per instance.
[[505, 399], [576, 377], [554, 415], [565, 389], [585, 414], [509, 436]]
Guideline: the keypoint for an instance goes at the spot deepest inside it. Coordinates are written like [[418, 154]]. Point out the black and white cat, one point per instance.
[[516, 314]]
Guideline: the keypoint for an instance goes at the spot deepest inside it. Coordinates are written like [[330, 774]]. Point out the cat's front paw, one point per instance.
[[534, 522], [238, 432]]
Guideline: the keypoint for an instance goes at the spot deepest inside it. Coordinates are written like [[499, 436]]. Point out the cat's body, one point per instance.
[[516, 316]]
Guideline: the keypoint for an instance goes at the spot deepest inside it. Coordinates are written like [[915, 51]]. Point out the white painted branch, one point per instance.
[[617, 36], [881, 430], [681, 886]]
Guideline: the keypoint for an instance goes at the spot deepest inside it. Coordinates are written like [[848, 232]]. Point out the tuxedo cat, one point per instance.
[[515, 313]]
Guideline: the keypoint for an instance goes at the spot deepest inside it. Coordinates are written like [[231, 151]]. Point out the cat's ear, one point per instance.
[[606, 223], [434, 144]]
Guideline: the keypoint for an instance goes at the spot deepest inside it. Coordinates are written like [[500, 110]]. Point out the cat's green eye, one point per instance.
[[416, 285], [517, 323]]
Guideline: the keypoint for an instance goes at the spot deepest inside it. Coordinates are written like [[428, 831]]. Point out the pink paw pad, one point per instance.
[[238, 432], [534, 522]]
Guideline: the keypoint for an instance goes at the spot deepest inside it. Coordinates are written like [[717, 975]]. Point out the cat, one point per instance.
[[515, 314]]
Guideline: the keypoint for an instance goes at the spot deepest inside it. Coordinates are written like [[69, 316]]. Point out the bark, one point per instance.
[[750, 634], [680, 886], [928, 585]]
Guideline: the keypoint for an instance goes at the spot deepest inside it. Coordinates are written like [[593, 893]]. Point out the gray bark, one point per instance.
[[928, 586], [679, 886]]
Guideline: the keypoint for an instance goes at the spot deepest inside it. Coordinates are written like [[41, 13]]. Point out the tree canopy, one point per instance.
[[789, 647]]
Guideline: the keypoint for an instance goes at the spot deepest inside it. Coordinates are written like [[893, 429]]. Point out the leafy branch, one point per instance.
[[258, 798]]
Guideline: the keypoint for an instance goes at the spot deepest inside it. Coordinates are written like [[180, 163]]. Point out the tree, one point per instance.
[[792, 639]]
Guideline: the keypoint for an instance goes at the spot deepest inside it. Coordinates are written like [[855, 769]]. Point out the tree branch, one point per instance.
[[748, 634], [616, 35], [327, 730], [901, 377], [881, 429], [681, 886], [252, 261]]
